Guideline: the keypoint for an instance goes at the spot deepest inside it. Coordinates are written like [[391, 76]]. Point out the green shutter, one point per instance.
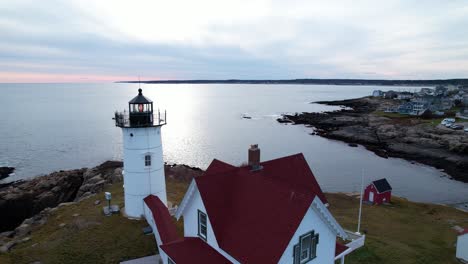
[[296, 254]]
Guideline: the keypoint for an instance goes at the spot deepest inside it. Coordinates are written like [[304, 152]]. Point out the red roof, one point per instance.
[[193, 250], [166, 227], [254, 214], [340, 248], [463, 232]]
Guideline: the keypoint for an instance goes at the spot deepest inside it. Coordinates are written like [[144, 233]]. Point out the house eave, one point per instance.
[[318, 206], [185, 201]]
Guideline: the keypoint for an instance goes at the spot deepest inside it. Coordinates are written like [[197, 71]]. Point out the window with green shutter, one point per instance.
[[306, 249]]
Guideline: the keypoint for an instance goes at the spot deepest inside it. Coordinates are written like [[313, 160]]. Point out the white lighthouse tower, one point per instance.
[[143, 155]]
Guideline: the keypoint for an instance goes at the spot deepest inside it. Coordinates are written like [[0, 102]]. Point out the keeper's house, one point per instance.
[[266, 212]]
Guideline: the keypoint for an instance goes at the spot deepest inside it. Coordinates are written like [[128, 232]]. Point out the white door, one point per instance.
[[371, 196]]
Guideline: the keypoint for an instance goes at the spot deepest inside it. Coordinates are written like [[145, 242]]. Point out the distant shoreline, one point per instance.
[[410, 138], [460, 81]]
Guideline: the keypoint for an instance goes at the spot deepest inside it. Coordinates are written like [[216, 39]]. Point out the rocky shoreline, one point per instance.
[[362, 122], [25, 202], [5, 172]]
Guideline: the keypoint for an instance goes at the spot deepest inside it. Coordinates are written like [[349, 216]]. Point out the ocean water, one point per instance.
[[48, 127]]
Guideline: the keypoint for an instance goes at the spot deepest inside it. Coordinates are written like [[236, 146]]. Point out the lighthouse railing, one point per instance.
[[122, 119]]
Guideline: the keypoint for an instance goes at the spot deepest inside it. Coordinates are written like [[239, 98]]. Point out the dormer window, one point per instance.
[[306, 249], [202, 225], [147, 160]]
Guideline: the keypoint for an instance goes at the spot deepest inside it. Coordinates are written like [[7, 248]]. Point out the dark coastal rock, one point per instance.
[[6, 171], [182, 172], [25, 204], [25, 199], [284, 120], [409, 138], [95, 179]]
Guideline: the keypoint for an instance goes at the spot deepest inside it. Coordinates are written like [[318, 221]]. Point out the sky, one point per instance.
[[106, 41]]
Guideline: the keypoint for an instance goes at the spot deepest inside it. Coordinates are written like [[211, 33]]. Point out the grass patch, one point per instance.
[[390, 115], [403, 232], [91, 237]]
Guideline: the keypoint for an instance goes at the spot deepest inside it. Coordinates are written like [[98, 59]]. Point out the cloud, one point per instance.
[[209, 39]]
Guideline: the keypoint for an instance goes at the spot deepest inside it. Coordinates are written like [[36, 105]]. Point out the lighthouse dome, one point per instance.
[[140, 98]]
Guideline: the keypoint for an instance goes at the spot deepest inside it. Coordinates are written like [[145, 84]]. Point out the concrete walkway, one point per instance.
[[145, 260]]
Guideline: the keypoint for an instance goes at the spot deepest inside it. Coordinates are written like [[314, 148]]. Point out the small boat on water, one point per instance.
[[246, 116]]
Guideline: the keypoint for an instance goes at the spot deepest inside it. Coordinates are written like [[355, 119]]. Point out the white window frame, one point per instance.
[[148, 160], [309, 249], [305, 248], [201, 234]]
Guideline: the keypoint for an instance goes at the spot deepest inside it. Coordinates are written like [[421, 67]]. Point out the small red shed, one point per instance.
[[378, 192]]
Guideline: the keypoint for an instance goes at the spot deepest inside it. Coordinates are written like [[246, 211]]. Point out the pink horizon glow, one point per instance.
[[22, 77]]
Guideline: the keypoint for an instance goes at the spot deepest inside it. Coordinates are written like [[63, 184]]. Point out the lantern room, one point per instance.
[[140, 110], [140, 114]]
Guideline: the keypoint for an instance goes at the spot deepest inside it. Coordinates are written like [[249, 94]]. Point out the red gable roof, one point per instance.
[[193, 250], [340, 248], [254, 214], [166, 227]]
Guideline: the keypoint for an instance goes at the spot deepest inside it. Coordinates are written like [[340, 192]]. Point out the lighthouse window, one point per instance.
[[147, 160]]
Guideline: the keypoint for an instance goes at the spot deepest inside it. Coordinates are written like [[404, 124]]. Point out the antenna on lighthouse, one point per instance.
[[139, 82], [360, 202]]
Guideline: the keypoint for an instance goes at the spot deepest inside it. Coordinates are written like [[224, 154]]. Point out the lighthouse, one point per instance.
[[142, 153]]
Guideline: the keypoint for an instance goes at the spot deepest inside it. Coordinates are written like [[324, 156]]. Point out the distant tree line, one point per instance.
[[463, 82]]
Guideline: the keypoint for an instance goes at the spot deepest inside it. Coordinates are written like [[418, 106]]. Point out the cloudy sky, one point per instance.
[[100, 41]]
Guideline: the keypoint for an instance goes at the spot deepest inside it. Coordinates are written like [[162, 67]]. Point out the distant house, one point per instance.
[[405, 108], [425, 99], [463, 89], [441, 104], [419, 108], [377, 93], [440, 90], [390, 94], [378, 192], [462, 245], [404, 96], [426, 91], [457, 97]]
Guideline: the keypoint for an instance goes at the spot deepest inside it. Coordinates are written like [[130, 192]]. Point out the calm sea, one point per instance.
[[48, 127]]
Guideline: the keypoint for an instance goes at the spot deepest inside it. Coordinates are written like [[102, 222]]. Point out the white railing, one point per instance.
[[356, 241]]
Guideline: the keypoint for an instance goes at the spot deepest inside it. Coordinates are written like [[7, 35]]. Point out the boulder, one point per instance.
[[6, 171], [25, 199], [7, 246]]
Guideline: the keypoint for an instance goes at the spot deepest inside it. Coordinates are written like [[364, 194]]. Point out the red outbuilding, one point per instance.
[[378, 192]]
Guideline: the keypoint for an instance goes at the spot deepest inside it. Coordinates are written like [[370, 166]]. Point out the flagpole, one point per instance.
[[360, 202]]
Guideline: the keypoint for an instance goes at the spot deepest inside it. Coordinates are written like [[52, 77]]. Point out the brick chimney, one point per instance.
[[254, 157]]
